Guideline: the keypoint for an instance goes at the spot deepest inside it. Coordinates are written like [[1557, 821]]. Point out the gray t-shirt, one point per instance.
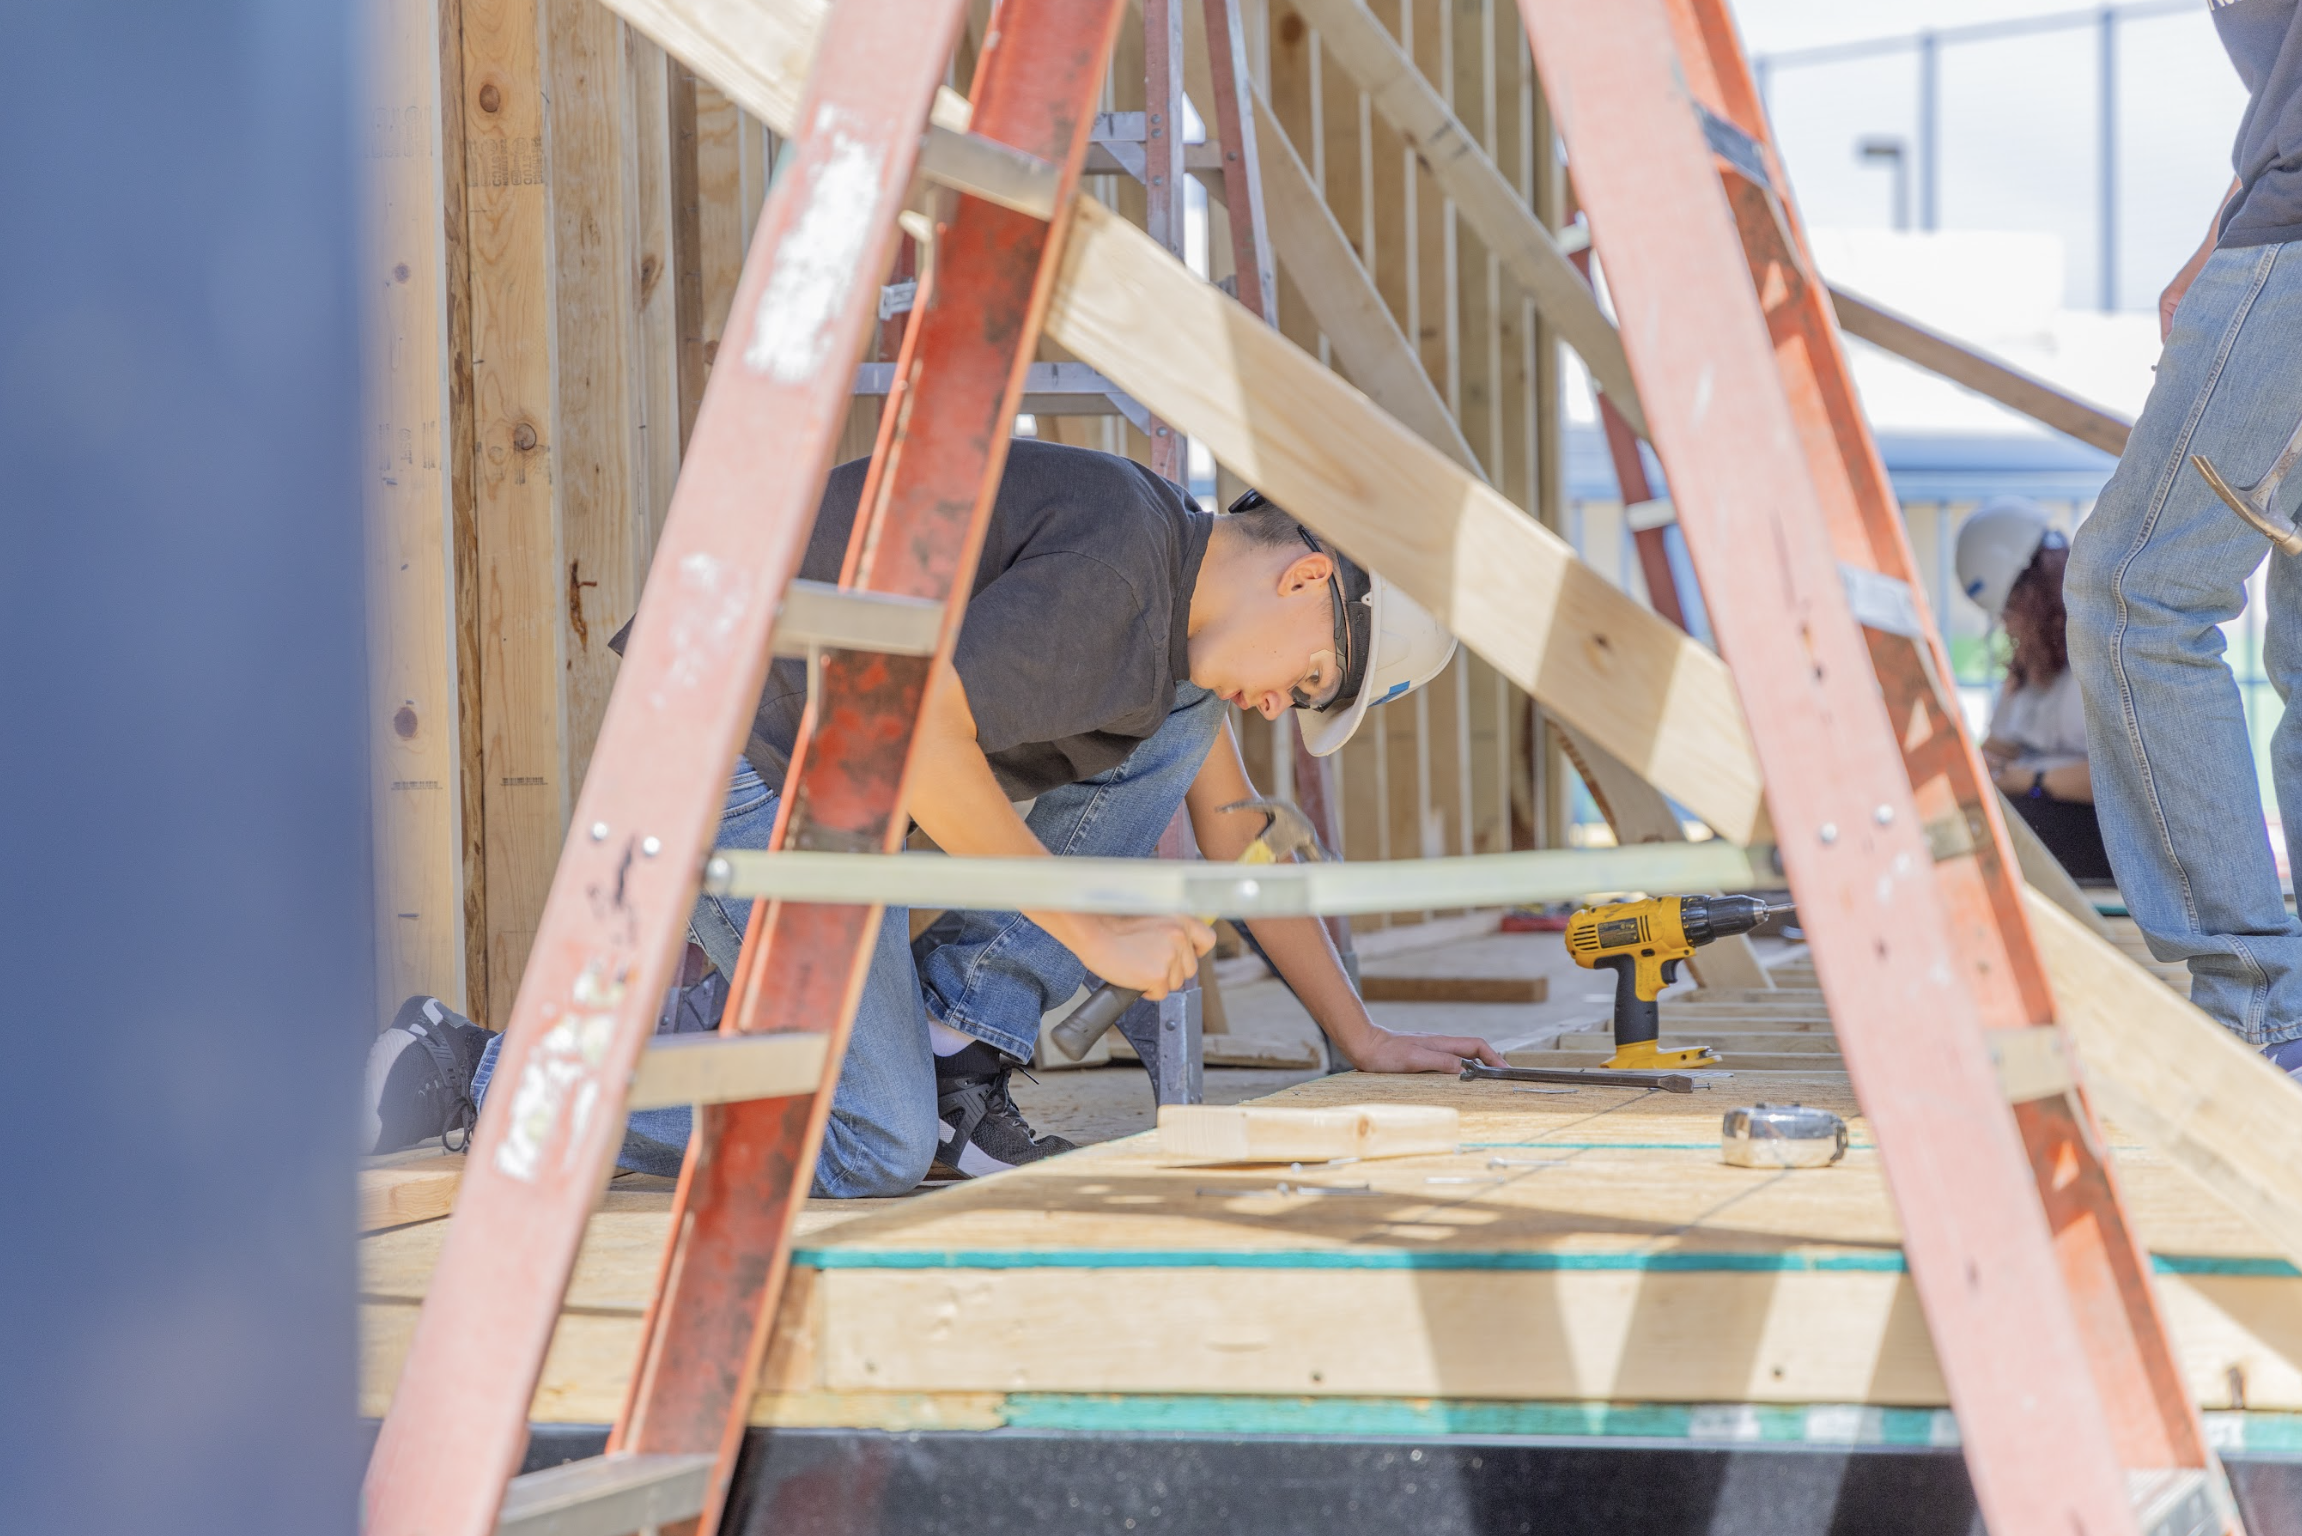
[[1074, 636], [2265, 43]]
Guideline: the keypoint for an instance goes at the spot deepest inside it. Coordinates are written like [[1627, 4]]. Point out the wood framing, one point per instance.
[[1986, 376], [1594, 1220], [410, 485], [1356, 39]]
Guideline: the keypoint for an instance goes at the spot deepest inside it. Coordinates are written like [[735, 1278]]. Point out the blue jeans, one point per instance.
[[989, 974], [2153, 572]]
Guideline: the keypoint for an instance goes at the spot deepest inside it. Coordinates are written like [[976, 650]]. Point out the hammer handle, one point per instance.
[[1077, 1034]]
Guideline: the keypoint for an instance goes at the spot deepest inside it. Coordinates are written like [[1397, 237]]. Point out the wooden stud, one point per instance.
[[521, 581], [409, 489]]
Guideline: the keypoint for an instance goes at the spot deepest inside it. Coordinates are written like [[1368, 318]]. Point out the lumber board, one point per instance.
[[1632, 1264], [1985, 375], [1356, 40], [652, 219], [1509, 588], [1287, 1133], [1454, 989], [423, 1190], [413, 155], [2163, 1070], [521, 582], [597, 473]]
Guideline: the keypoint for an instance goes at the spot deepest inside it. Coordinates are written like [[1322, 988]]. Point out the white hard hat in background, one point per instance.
[[1996, 545], [1406, 649]]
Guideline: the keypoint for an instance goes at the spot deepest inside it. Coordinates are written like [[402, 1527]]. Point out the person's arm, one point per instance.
[[957, 800], [2171, 299], [2068, 781], [1300, 946]]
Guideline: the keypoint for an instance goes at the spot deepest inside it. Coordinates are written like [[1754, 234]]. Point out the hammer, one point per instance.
[[1285, 833], [2253, 502]]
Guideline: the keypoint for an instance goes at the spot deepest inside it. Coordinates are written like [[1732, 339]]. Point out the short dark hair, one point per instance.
[[1264, 521]]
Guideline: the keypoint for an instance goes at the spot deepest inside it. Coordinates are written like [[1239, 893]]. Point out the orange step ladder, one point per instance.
[[643, 825], [2069, 1396]]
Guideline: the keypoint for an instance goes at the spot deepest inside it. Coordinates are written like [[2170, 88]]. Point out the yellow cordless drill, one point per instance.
[[1642, 942]]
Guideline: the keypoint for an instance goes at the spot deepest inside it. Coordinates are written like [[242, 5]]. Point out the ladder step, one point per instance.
[[605, 1496], [2179, 1501], [1049, 389], [818, 614], [726, 1069], [985, 168]]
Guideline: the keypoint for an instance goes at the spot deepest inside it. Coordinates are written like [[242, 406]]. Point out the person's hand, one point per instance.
[[1997, 753], [1153, 955], [1388, 1050], [2171, 299]]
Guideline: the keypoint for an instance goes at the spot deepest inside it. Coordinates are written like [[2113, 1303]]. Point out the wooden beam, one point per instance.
[[521, 582], [1357, 42], [414, 167], [596, 470], [2197, 1094], [1372, 349], [1985, 375], [1509, 588]]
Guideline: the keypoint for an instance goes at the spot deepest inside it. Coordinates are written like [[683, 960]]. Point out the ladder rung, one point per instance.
[[995, 172], [2179, 1501], [1881, 602], [1735, 147], [1049, 389], [605, 1496], [726, 1069], [816, 613]]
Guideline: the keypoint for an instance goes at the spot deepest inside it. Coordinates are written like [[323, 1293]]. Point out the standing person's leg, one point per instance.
[[2157, 567], [881, 1135]]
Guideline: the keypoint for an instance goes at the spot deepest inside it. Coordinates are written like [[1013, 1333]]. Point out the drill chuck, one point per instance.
[[1705, 918]]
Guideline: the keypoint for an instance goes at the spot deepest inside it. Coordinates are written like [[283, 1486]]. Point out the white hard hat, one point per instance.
[[1405, 648], [1996, 545]]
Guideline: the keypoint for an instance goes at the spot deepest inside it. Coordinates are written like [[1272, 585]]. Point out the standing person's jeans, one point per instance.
[[2153, 572], [991, 974]]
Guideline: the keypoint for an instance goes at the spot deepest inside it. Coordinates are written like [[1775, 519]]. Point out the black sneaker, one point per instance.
[[982, 1131], [2286, 1057], [419, 1079]]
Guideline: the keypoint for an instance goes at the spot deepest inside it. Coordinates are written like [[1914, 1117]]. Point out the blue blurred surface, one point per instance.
[[184, 907]]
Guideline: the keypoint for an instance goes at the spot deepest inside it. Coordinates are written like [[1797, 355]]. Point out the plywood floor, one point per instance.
[[1586, 1247]]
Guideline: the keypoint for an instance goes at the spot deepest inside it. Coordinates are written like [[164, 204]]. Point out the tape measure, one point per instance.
[[1782, 1136]]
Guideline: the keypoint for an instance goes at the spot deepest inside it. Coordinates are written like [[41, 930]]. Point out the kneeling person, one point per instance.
[[1109, 623]]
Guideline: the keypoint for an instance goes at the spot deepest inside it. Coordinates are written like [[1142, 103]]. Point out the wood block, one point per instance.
[[1244, 1133], [1454, 989], [1256, 1051], [424, 1190]]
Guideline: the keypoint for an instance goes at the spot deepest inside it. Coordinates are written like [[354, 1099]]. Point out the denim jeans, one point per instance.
[[989, 974], [2157, 567]]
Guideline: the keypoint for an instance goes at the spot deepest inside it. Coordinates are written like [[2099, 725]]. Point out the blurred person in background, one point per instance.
[[2010, 562]]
